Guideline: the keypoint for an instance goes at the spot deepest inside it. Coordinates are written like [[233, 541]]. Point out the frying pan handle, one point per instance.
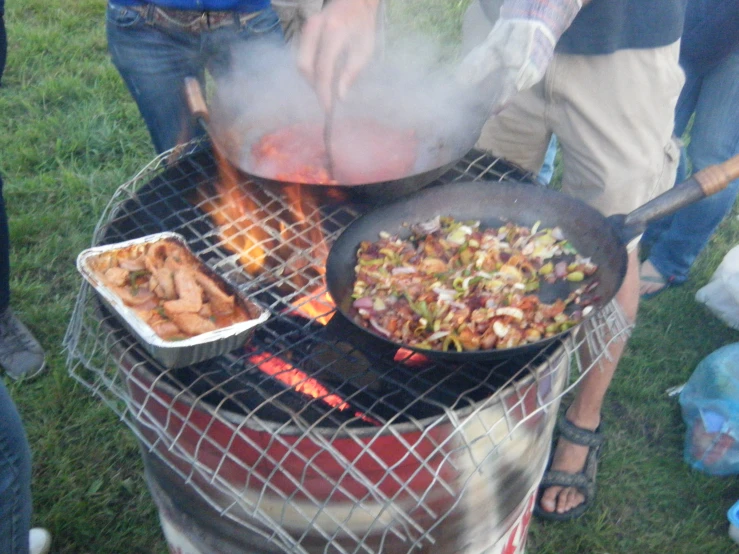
[[706, 182], [196, 100], [715, 178]]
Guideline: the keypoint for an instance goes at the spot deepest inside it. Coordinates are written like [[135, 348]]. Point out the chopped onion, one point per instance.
[[379, 328], [403, 270], [363, 303], [438, 335], [430, 226], [560, 269], [445, 295]]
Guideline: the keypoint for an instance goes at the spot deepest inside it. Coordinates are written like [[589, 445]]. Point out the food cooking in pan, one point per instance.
[[454, 286], [169, 289], [363, 150]]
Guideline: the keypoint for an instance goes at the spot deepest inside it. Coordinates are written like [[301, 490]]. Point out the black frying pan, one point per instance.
[[603, 239], [437, 153]]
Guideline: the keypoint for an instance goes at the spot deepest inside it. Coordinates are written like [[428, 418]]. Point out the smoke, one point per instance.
[[406, 87]]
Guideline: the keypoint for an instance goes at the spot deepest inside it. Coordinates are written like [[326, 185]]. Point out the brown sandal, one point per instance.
[[584, 481]]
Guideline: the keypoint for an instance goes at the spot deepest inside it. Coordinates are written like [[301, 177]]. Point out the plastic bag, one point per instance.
[[710, 409], [721, 294]]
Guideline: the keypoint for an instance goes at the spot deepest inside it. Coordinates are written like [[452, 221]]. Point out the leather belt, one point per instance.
[[190, 20]]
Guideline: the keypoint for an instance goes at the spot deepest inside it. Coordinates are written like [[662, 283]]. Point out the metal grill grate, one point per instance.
[[410, 450]]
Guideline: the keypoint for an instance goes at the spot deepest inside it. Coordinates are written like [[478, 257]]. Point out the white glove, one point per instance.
[[518, 50]]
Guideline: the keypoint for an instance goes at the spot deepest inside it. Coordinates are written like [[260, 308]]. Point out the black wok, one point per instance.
[[603, 239], [438, 151]]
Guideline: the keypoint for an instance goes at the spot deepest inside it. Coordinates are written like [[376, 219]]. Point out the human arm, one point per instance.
[[294, 13], [518, 49], [337, 44]]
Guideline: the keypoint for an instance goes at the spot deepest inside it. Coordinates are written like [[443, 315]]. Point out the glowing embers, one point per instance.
[[301, 382]]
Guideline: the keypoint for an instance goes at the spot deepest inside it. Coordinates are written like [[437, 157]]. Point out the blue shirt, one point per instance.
[[605, 26], [241, 6], [711, 32]]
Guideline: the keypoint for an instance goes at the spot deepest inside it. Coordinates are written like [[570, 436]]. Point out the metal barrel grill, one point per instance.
[[313, 438]]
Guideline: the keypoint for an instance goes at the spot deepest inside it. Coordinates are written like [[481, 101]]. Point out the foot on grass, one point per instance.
[[651, 281], [568, 458]]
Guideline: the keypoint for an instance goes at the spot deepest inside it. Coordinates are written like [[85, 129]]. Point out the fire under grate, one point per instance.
[[313, 438]]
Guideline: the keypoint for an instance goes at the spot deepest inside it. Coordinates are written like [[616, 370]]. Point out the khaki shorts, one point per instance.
[[613, 115]]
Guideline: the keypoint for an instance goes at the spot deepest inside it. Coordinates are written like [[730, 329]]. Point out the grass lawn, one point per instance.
[[72, 135]]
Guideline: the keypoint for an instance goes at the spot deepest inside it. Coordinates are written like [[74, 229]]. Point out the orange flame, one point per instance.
[[302, 383], [273, 229], [319, 307]]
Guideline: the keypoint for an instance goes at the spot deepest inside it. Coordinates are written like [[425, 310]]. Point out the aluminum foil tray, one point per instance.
[[180, 353]]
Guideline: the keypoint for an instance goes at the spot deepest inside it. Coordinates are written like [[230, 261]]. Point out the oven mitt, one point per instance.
[[518, 50]]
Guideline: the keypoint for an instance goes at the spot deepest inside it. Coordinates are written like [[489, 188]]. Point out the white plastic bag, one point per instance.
[[721, 294]]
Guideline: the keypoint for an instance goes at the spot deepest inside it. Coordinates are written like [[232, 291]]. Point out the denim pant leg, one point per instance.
[[15, 479], [154, 63], [4, 254], [714, 139], [3, 41], [683, 111]]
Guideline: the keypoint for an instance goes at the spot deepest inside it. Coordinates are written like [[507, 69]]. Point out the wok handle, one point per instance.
[[196, 100], [706, 182]]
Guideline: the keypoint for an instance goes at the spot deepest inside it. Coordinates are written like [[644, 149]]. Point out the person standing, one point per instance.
[[3, 40], [709, 54], [156, 44], [603, 75], [21, 356]]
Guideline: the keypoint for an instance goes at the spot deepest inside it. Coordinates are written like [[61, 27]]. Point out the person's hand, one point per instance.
[[336, 44], [518, 50]]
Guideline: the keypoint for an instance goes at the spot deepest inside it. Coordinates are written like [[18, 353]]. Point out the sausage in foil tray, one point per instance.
[[167, 297]]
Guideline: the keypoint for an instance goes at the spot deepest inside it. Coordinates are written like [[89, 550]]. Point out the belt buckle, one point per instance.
[[203, 22]]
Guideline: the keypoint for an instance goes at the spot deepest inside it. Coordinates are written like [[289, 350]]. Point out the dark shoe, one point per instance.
[[21, 356], [584, 481]]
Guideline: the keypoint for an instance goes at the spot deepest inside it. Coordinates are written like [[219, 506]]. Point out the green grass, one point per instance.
[[72, 135]]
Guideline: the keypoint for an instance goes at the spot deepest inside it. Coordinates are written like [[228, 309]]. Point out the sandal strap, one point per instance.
[[578, 481], [578, 435]]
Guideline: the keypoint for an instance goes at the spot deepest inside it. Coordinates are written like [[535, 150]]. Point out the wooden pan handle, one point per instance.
[[195, 99], [715, 178]]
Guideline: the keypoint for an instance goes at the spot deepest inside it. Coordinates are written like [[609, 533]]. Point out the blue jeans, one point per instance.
[[713, 96], [547, 169], [15, 479], [154, 60], [4, 255]]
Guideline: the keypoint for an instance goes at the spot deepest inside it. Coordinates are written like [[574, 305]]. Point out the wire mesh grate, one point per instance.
[[391, 455]]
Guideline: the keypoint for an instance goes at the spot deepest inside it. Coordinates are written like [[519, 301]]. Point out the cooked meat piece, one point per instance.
[[190, 295], [146, 315], [143, 296], [133, 264], [167, 329], [163, 283], [206, 310], [221, 303], [156, 256], [177, 258], [193, 324], [117, 276]]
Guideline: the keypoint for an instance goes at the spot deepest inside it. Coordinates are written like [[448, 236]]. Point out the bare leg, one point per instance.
[[586, 407]]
